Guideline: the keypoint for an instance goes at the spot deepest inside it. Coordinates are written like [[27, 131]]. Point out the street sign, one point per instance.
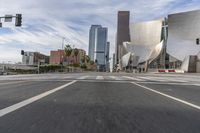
[[8, 18]]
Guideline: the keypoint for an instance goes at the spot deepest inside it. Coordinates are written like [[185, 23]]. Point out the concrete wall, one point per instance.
[[192, 64], [198, 63]]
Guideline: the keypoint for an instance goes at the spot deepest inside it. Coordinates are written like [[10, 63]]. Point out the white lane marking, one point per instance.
[[14, 82], [83, 77], [99, 77], [32, 99], [164, 83], [132, 78], [66, 77], [196, 84], [168, 96]]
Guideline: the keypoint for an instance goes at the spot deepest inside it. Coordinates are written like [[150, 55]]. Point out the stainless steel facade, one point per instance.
[[183, 30], [146, 40], [168, 43]]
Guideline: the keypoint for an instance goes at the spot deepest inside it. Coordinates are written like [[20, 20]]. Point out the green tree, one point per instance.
[[83, 59], [68, 52], [76, 52], [87, 59], [91, 62]]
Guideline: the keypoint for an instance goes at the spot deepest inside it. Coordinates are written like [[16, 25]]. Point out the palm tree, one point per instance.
[[82, 59], [87, 59], [68, 51], [76, 52]]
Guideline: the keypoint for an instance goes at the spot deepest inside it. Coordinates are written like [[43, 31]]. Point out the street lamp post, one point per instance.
[[40, 61]]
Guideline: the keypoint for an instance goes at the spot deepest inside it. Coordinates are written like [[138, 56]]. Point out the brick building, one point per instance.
[[58, 57]]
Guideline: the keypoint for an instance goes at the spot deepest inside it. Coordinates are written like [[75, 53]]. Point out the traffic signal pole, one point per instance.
[[8, 18]]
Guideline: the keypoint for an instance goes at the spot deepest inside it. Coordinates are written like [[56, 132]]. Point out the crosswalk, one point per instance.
[[118, 78], [99, 77], [131, 78], [83, 77]]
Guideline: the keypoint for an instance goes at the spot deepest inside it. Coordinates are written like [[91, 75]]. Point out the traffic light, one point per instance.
[[18, 20], [22, 52], [197, 41]]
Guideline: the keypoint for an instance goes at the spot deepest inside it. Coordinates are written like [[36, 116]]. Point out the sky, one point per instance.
[[46, 22]]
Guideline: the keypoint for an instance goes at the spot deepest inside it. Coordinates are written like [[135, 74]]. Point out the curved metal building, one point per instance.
[[183, 31], [172, 43], [146, 42]]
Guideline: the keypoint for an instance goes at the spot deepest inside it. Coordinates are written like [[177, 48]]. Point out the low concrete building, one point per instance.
[[33, 58]]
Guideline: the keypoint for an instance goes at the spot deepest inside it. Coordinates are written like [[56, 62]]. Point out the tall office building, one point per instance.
[[97, 45], [92, 41], [100, 46], [123, 33]]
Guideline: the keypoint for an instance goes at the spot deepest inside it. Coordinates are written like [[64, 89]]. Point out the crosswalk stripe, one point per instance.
[[162, 79], [151, 78], [132, 78], [83, 77], [100, 77], [14, 82], [146, 78], [115, 78], [67, 77]]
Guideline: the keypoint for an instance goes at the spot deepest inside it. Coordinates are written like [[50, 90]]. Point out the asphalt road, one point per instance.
[[99, 103]]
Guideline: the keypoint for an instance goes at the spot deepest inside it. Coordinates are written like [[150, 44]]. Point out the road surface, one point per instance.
[[100, 103]]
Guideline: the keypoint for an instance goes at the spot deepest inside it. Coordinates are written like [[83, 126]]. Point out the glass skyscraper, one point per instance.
[[92, 41], [97, 45]]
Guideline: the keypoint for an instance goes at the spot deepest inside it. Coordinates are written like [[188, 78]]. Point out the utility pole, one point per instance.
[[38, 66], [61, 58], [63, 41]]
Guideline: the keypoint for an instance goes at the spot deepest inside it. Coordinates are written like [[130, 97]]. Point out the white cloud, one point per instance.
[[46, 21]]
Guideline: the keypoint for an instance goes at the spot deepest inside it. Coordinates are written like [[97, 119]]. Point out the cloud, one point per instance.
[[45, 22]]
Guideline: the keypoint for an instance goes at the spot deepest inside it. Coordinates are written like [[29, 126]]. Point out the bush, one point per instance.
[[76, 65], [50, 68], [83, 66]]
